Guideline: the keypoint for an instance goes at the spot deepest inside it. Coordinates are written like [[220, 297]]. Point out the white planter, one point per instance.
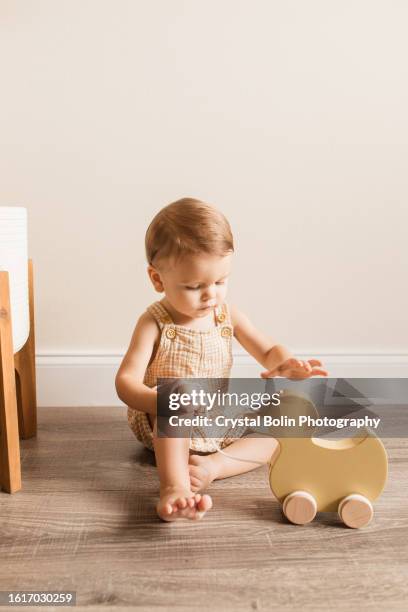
[[14, 259]]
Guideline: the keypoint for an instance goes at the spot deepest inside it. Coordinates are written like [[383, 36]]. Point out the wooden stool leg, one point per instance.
[[10, 469], [24, 363]]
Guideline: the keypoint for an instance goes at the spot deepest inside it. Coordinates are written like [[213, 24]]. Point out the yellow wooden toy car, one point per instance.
[[308, 474]]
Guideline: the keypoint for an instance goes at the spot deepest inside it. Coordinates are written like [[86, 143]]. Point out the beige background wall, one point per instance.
[[290, 116]]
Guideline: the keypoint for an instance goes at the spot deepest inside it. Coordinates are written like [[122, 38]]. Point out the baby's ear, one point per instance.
[[155, 277]]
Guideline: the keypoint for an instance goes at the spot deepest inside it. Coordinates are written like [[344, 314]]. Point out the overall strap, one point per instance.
[[158, 311]]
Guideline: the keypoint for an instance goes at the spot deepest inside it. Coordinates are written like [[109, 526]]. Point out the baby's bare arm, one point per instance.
[[129, 378], [277, 359], [266, 352]]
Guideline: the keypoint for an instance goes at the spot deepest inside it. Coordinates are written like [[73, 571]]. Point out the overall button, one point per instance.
[[171, 333], [221, 317], [226, 332]]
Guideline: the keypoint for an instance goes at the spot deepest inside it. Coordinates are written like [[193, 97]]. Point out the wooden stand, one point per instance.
[[18, 405]]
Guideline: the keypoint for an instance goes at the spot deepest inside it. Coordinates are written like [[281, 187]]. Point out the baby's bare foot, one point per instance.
[[176, 503], [202, 473]]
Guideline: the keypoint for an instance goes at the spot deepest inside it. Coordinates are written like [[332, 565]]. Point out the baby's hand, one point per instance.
[[296, 369]]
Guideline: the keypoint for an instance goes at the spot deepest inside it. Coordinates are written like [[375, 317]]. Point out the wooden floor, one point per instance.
[[85, 522]]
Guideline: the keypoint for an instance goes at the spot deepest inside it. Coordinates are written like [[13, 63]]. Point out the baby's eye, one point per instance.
[[220, 283], [193, 288]]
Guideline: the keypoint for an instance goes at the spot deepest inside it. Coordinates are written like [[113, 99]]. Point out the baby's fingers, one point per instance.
[[315, 362], [318, 372], [292, 363], [299, 366]]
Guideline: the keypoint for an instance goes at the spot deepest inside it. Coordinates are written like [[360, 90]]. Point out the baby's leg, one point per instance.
[[176, 497], [205, 469]]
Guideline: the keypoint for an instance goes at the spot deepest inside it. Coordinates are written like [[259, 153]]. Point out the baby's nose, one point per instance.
[[209, 293]]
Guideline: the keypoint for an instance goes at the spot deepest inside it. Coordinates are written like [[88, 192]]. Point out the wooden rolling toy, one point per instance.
[[309, 475]]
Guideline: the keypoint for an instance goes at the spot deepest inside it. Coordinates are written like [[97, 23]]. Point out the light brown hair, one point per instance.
[[185, 227]]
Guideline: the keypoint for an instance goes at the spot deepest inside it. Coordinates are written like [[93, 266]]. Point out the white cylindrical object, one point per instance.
[[14, 259]]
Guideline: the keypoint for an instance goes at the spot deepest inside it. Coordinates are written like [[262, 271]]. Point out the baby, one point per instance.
[[188, 333]]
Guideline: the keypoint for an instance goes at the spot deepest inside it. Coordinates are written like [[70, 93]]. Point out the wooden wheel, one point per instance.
[[300, 507], [355, 511]]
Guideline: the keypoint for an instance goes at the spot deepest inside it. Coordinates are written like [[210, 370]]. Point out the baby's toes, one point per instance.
[[168, 509], [180, 503], [188, 507], [203, 503], [165, 511], [191, 502], [196, 481], [195, 484], [185, 507], [200, 472]]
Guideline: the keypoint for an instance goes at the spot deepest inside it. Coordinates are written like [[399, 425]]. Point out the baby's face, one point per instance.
[[195, 284]]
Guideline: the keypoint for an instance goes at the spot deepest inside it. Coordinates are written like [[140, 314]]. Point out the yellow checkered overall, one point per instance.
[[187, 353]]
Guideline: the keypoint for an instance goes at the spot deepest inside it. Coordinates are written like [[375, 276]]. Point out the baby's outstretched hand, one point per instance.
[[296, 369]]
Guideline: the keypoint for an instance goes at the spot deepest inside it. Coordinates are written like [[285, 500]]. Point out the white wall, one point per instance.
[[289, 116]]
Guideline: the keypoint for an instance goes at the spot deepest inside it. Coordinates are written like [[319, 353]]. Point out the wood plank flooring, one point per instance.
[[85, 521]]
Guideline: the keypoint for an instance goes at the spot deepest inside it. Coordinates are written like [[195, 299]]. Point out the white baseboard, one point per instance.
[[88, 379]]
